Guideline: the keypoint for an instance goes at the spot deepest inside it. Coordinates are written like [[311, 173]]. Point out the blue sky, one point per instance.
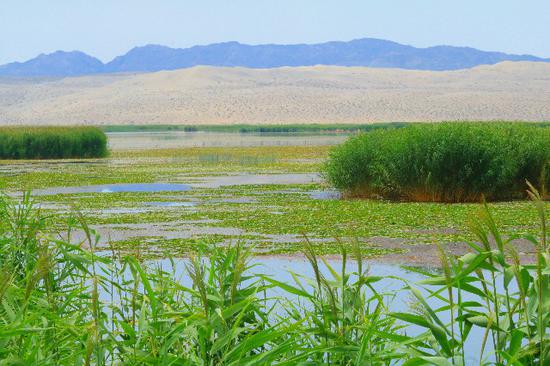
[[107, 28]]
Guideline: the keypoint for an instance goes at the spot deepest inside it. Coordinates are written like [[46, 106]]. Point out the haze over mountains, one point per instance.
[[361, 52]]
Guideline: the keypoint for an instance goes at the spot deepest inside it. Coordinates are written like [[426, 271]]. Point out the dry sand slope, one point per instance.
[[324, 94]]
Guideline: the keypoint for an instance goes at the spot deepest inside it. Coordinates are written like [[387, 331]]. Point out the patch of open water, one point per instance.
[[171, 204], [181, 139], [141, 187], [111, 188], [325, 195]]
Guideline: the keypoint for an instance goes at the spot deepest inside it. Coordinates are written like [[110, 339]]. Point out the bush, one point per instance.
[[444, 162], [52, 142]]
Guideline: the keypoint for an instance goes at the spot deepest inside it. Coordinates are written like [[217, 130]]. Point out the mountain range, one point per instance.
[[368, 52]]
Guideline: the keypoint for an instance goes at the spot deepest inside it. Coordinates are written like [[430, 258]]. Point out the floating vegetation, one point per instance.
[[245, 128]]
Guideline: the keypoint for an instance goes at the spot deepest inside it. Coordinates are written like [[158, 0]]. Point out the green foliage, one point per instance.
[[66, 304], [344, 319], [52, 142], [446, 162], [245, 128], [489, 289]]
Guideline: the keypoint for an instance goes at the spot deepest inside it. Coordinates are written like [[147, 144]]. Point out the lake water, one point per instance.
[[111, 188], [181, 139]]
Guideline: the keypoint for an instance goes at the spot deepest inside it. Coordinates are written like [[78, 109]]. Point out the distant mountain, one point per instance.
[[59, 63], [361, 52]]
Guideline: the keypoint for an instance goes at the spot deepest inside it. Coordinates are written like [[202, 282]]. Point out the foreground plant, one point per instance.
[[344, 319], [64, 303], [489, 289]]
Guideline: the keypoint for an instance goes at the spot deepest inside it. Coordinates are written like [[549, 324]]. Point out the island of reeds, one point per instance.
[[443, 162], [52, 142]]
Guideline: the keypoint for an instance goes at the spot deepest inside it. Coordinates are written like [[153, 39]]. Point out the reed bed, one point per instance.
[[52, 142], [64, 303], [443, 162], [266, 128]]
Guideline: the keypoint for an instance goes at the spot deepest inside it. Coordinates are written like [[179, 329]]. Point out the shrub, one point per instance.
[[445, 162], [52, 142]]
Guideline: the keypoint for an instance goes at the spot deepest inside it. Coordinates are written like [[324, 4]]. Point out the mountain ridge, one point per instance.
[[367, 52]]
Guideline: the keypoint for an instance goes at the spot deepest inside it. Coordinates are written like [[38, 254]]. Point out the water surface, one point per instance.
[[112, 188], [181, 139]]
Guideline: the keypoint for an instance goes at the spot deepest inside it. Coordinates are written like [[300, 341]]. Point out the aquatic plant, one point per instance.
[[65, 303], [265, 128], [344, 319], [490, 289], [52, 142], [444, 162]]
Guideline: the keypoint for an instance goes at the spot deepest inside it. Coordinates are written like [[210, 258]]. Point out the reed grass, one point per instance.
[[443, 162], [62, 302], [251, 128], [52, 142]]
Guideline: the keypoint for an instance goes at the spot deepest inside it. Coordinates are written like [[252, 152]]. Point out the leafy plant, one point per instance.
[[445, 162], [63, 302], [344, 319], [489, 289]]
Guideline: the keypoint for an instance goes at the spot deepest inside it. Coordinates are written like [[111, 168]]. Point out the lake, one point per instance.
[[181, 139]]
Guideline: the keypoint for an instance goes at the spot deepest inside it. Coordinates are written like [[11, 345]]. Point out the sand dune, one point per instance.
[[321, 94]]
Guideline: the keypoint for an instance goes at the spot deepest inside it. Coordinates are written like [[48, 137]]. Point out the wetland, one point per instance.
[[262, 189]]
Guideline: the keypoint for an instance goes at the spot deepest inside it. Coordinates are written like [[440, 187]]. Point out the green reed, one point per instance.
[[445, 162], [490, 289], [52, 142], [65, 301]]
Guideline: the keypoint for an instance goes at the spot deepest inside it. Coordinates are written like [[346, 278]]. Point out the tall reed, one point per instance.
[[52, 142], [65, 302], [447, 162], [490, 289]]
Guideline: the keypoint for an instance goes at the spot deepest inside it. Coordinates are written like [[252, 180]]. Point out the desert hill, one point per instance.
[[317, 94]]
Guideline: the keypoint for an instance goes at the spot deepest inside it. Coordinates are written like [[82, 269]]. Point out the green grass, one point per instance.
[[52, 312], [145, 166], [275, 210], [247, 128], [447, 162], [271, 212], [52, 142]]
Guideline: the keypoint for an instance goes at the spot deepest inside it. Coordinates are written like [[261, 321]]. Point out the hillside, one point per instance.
[[320, 94], [369, 52]]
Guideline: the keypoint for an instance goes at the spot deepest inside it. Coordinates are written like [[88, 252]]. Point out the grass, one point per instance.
[[444, 162], [514, 313], [266, 209], [65, 304], [246, 128], [283, 210], [161, 165], [52, 142]]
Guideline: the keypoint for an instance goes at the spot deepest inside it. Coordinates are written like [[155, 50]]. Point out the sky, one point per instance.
[[108, 28]]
